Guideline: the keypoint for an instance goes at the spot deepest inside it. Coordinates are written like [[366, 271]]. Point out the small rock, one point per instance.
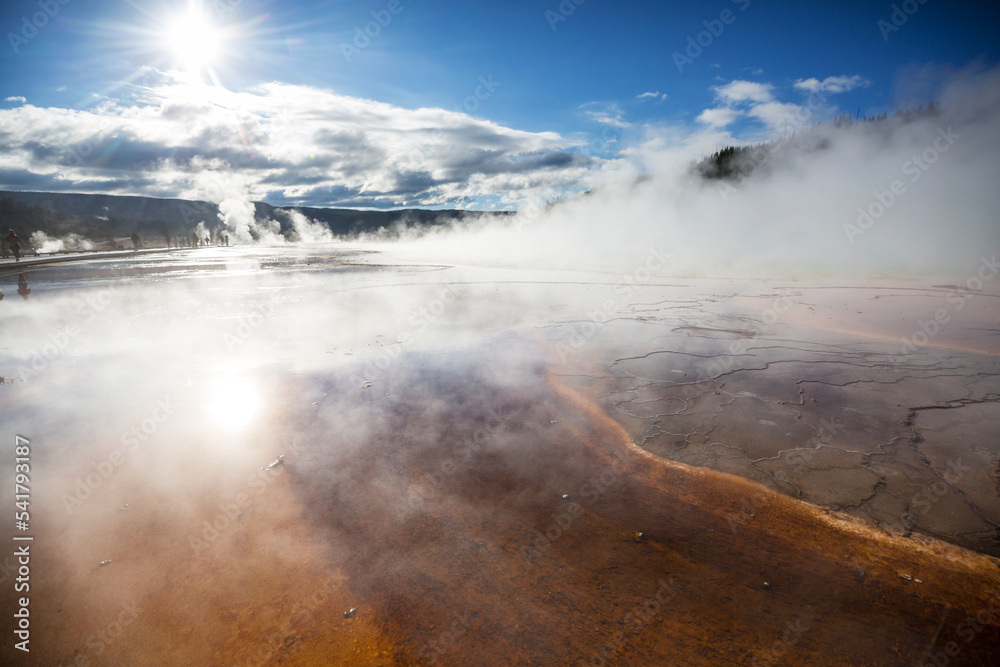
[[565, 496], [638, 537], [105, 562], [767, 585], [276, 463], [350, 612]]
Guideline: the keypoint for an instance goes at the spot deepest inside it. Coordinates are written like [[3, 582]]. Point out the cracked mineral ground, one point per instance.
[[305, 456], [835, 395]]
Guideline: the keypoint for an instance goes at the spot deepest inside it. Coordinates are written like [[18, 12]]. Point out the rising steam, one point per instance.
[[887, 198], [44, 243]]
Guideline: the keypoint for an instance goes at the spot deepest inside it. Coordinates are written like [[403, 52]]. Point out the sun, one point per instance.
[[233, 403], [193, 40]]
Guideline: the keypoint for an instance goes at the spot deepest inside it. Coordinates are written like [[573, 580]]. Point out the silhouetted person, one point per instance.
[[22, 286], [208, 241], [168, 240], [194, 240], [226, 237], [135, 241], [15, 245]]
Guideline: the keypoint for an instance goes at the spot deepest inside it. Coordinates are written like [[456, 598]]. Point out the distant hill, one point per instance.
[[102, 218], [734, 163]]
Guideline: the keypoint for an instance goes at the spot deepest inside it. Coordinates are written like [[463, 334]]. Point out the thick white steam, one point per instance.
[[883, 198]]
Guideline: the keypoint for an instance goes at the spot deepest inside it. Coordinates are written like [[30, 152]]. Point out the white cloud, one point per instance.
[[832, 84], [287, 144], [718, 117], [606, 114], [744, 91], [16, 98], [778, 115], [656, 96]]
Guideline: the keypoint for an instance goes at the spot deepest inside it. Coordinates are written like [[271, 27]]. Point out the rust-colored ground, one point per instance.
[[475, 517]]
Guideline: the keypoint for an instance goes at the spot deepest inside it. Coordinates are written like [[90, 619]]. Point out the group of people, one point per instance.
[[193, 241], [13, 243], [223, 239]]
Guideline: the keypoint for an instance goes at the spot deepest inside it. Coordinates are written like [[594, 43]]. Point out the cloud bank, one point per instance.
[[284, 143]]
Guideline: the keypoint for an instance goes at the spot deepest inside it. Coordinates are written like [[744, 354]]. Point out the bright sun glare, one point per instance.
[[233, 402], [193, 40]]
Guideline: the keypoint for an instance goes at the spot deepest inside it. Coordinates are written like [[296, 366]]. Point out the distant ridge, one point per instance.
[[101, 217]]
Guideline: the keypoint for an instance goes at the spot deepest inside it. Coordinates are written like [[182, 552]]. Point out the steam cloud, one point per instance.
[[883, 198], [44, 243]]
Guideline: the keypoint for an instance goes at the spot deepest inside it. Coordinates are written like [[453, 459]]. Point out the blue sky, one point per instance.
[[566, 91]]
